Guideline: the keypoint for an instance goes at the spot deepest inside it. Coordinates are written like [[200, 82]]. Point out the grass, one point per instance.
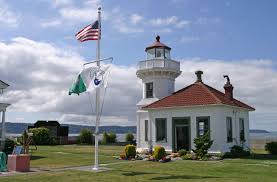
[[48, 157], [261, 167]]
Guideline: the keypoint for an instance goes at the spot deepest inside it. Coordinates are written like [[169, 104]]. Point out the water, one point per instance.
[[121, 137], [271, 135]]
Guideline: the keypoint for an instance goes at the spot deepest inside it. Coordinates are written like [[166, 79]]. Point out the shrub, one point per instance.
[[9, 145], [108, 138], [41, 136], [271, 147], [130, 151], [129, 138], [182, 152], [85, 137], [159, 152], [202, 145], [236, 151], [190, 156]]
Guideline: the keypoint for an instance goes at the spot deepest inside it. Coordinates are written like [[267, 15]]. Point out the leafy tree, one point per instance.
[[41, 136], [85, 137], [129, 137], [202, 145], [108, 138]]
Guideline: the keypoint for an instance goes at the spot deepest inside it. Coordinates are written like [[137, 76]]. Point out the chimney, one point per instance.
[[228, 87], [199, 76]]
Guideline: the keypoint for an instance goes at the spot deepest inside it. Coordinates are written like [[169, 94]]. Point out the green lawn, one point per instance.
[[263, 168], [71, 155]]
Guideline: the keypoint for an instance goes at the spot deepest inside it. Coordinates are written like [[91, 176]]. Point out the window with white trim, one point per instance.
[[229, 129], [161, 134]]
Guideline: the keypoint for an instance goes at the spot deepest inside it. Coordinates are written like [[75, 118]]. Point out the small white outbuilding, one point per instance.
[[173, 119]]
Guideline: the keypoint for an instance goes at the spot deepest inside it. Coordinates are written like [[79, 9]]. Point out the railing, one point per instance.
[[158, 63]]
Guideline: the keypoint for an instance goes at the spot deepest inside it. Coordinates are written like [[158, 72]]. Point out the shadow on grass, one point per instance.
[[262, 157], [136, 173], [182, 177], [34, 157], [167, 177]]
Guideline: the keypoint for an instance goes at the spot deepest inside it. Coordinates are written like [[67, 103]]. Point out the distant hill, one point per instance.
[[18, 128], [259, 131]]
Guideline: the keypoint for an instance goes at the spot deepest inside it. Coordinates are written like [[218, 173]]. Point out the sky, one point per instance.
[[40, 57]]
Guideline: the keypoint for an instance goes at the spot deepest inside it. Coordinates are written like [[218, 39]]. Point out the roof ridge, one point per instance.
[[211, 93]]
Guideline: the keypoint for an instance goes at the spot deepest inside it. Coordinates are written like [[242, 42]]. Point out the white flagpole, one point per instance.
[[97, 103]]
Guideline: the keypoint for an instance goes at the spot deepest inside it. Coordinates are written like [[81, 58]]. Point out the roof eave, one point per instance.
[[205, 105]]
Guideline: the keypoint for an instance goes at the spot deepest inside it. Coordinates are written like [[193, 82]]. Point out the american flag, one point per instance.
[[90, 32]]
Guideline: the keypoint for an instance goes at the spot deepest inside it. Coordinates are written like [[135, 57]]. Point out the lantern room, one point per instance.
[[158, 50]]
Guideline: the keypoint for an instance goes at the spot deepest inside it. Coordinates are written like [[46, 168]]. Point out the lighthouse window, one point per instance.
[[159, 53], [167, 54], [151, 54], [149, 90]]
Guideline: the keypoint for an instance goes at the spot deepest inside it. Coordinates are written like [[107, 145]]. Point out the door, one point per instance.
[[182, 137]]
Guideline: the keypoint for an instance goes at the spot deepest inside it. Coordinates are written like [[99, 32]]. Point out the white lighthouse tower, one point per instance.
[[158, 73]]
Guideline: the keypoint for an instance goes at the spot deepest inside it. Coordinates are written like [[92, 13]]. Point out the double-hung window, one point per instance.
[[241, 130], [149, 90], [146, 130], [203, 125], [161, 134], [229, 129]]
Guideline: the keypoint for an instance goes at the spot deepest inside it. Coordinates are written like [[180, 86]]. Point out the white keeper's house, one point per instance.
[[172, 119]]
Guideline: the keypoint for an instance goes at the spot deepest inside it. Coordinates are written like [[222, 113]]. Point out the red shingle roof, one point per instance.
[[194, 95], [157, 44]]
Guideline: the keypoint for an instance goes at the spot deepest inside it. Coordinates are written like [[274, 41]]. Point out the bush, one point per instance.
[[159, 152], [236, 151], [85, 137], [108, 138], [182, 152], [202, 145], [190, 156], [271, 147], [9, 145], [129, 138], [41, 136], [130, 151]]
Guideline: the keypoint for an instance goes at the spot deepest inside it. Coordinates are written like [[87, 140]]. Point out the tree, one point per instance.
[[41, 136], [129, 137], [202, 145], [85, 137]]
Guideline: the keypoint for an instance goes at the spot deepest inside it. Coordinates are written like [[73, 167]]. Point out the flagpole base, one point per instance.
[[95, 168]]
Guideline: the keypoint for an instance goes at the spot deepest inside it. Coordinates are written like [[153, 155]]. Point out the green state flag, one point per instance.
[[81, 84]]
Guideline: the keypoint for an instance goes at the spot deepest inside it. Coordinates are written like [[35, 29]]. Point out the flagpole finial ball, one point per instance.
[[99, 8], [158, 38]]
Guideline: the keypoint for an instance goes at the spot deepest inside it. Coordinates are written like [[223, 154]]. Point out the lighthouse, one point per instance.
[[158, 73]]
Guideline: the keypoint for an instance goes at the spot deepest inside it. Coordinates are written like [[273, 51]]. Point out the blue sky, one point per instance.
[[200, 33]]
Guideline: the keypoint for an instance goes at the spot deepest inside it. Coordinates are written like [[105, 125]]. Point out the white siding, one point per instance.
[[218, 129]]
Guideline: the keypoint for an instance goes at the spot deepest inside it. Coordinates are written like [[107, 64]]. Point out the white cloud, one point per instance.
[[71, 12], [40, 74], [206, 20], [188, 39], [51, 23], [7, 16], [121, 23], [135, 18], [173, 20]]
